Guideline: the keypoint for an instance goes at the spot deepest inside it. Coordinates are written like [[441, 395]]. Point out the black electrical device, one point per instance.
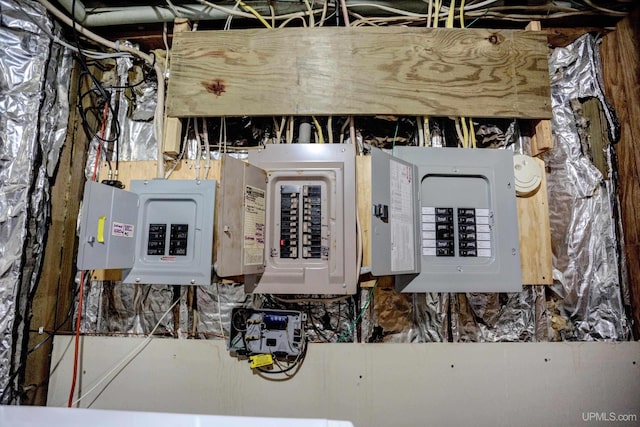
[[263, 331]]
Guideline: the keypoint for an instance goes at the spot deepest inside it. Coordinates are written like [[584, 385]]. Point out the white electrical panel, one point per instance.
[[467, 224], [159, 233], [310, 219]]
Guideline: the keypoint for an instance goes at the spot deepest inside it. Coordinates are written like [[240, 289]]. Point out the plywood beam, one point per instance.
[[360, 71]]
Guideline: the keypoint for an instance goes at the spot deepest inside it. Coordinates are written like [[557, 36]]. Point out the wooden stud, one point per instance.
[[172, 125], [535, 235], [542, 138]]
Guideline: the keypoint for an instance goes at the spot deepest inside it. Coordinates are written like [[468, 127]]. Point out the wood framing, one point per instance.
[[360, 71], [621, 64]]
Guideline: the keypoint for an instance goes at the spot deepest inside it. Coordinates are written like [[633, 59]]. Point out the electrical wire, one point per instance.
[[130, 356], [159, 112], [357, 319], [318, 129], [77, 341]]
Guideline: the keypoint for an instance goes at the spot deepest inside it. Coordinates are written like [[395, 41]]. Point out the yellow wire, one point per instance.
[[465, 132], [255, 13], [472, 132], [318, 129], [461, 13], [427, 133], [452, 8]]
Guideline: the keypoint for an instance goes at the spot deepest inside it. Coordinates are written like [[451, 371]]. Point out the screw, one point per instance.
[[454, 170], [137, 280], [193, 281], [459, 268], [513, 251]]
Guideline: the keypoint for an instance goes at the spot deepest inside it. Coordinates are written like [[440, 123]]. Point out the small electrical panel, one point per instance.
[[279, 333], [466, 223], [161, 232], [310, 235], [241, 219], [395, 246]]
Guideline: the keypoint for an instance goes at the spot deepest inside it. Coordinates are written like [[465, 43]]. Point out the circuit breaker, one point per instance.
[[310, 236], [161, 232], [467, 224]]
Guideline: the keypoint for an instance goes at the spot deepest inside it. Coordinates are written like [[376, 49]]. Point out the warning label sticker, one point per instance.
[[122, 230], [254, 225]]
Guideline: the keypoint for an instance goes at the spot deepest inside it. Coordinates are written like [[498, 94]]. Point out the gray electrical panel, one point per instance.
[[241, 219], [468, 223], [310, 236], [108, 226], [395, 245], [159, 233]]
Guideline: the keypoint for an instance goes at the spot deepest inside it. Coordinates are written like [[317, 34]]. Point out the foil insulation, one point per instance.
[[34, 80], [587, 302]]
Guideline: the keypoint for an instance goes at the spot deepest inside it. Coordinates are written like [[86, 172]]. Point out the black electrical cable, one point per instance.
[[295, 363], [32, 350]]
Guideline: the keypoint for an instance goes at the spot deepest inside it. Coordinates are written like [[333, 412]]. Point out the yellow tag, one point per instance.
[[260, 360], [101, 222]]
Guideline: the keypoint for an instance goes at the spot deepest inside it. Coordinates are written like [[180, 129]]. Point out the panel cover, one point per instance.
[[107, 228], [394, 209], [240, 245], [311, 215], [468, 221], [174, 242]]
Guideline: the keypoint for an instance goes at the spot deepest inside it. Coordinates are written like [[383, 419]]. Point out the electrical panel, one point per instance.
[[161, 232], [467, 226], [241, 219], [395, 246], [310, 231], [276, 332]]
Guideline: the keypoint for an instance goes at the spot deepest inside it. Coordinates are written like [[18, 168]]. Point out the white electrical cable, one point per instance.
[[199, 152], [159, 112], [125, 360], [207, 149]]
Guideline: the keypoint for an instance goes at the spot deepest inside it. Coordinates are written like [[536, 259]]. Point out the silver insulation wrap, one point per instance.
[[34, 80], [588, 302]]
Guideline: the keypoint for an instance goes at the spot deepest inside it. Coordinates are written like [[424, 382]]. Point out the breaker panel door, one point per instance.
[[240, 244], [394, 230], [107, 227]]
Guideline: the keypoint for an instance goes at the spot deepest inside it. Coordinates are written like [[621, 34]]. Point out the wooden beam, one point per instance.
[[360, 71], [621, 64], [54, 296]]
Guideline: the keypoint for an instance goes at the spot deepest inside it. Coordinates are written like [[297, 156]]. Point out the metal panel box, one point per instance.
[[160, 233], [310, 234], [468, 221]]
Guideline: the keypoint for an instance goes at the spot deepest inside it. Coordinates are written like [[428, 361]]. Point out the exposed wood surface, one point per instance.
[[621, 65], [55, 293], [368, 70], [535, 235], [561, 37], [541, 138], [172, 125], [598, 135], [363, 194], [534, 26]]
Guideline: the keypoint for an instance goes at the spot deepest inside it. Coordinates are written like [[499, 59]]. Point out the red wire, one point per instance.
[[77, 344], [105, 115]]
